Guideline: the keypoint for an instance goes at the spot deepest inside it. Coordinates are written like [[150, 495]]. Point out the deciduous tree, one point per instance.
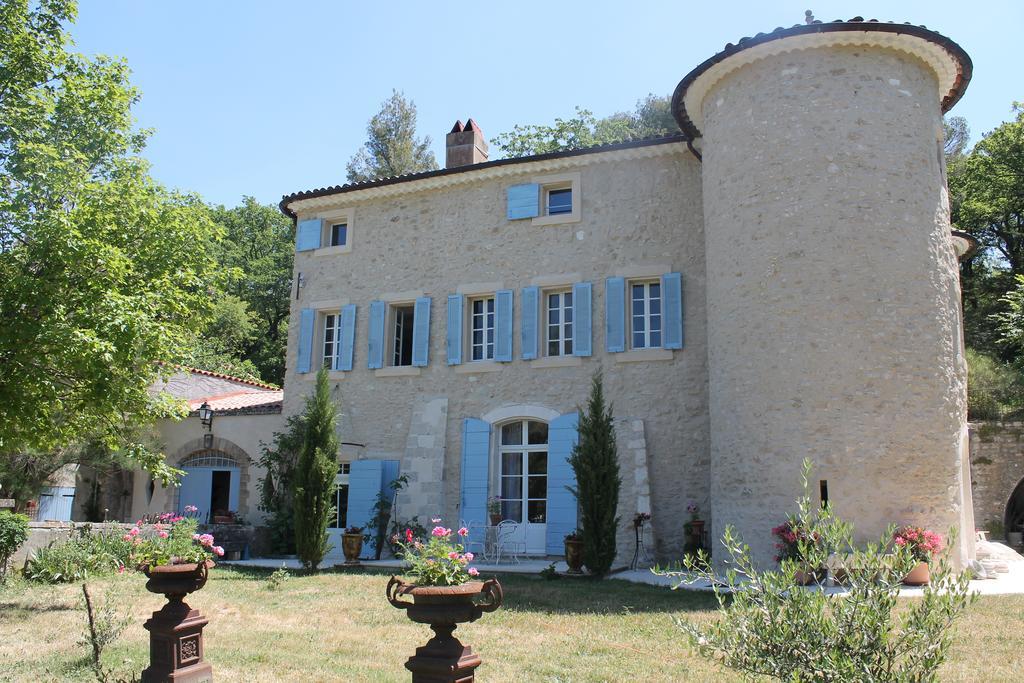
[[392, 147]]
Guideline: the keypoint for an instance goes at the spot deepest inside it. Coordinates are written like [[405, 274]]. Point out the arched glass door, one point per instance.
[[523, 486]]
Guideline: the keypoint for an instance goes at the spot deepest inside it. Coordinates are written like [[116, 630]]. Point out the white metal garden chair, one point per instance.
[[511, 540], [476, 531]]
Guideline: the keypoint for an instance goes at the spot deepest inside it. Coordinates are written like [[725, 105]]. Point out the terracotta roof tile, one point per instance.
[[241, 400]]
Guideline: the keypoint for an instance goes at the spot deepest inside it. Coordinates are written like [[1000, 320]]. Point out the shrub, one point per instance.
[[595, 462], [171, 539], [80, 557], [773, 627], [13, 533], [995, 390]]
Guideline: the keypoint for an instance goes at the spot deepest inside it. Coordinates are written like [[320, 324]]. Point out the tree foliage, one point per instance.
[[772, 626], [277, 489], [314, 475], [103, 272], [595, 463], [392, 148], [652, 117]]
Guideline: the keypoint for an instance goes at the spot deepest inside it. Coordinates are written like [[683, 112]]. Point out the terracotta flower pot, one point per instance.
[[806, 577], [352, 546], [574, 556], [176, 630], [444, 658], [918, 576], [495, 518]]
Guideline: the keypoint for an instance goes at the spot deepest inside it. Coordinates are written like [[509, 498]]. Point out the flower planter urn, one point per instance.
[[444, 658], [574, 556], [352, 546], [918, 576], [176, 630], [806, 577]]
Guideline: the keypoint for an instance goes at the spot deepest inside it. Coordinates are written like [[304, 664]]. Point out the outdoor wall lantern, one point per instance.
[[206, 416]]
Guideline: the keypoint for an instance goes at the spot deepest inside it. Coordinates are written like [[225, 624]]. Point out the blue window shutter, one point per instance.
[[55, 503], [582, 313], [523, 201], [375, 351], [528, 323], [307, 234], [348, 338], [196, 488], [562, 509], [503, 325], [476, 458], [364, 483], [455, 329], [306, 319], [672, 297], [615, 314], [234, 482], [421, 332]]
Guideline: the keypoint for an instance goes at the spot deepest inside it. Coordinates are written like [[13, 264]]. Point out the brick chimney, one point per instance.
[[465, 145]]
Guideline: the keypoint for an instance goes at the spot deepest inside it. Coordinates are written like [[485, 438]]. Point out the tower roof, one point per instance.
[[950, 62]]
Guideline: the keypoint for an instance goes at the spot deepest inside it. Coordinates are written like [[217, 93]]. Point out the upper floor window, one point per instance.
[[338, 235], [331, 338], [645, 314], [402, 320], [481, 331], [559, 201], [559, 323]]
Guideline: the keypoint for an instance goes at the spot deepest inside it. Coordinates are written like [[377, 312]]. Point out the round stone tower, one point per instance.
[[834, 328]]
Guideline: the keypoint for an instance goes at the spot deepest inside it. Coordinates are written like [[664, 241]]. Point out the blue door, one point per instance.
[[196, 486], [55, 504]]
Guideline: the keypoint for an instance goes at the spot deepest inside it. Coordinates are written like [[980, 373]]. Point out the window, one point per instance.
[[332, 338], [524, 471], [339, 518], [645, 314], [401, 340], [339, 235], [559, 323], [481, 330], [559, 201]]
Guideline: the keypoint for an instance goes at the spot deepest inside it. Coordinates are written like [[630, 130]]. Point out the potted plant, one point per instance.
[[494, 510], [574, 551], [444, 594], [694, 529], [792, 543], [352, 544], [922, 544], [177, 560]]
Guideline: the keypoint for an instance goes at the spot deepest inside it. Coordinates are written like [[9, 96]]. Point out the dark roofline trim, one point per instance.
[[856, 24], [394, 180]]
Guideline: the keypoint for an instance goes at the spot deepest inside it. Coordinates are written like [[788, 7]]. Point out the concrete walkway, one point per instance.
[[524, 566]]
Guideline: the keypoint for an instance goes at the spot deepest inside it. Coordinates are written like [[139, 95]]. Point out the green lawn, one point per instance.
[[337, 626]]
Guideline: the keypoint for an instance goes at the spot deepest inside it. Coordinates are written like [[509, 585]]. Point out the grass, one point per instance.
[[337, 626]]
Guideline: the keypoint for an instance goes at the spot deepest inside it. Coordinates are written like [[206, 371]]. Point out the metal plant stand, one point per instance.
[[640, 551]]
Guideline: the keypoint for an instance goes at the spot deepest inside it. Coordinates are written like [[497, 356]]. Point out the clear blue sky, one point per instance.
[[266, 98]]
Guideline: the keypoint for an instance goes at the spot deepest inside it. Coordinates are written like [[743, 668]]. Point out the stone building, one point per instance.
[[777, 282]]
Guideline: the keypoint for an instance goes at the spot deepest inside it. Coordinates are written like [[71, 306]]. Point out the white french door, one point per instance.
[[523, 486]]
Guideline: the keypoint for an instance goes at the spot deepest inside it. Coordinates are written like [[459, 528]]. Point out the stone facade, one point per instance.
[[997, 471], [820, 281]]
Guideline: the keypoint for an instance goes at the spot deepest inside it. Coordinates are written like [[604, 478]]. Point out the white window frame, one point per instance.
[[340, 481], [524, 449], [397, 336], [565, 342], [561, 181], [645, 315], [331, 225], [487, 346], [326, 317], [328, 219]]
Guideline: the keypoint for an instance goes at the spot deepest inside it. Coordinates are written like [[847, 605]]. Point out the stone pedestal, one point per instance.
[[444, 659], [176, 645]]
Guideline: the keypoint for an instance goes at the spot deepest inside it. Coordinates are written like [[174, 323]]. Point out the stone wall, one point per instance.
[[997, 468]]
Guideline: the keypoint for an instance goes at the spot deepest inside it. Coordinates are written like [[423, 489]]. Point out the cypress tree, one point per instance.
[[314, 475], [595, 462]]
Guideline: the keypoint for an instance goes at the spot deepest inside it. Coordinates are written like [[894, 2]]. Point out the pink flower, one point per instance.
[[206, 540], [899, 541], [454, 555], [408, 536], [218, 550], [195, 537], [473, 571], [120, 570], [162, 534], [127, 537], [441, 532], [469, 557], [158, 526], [134, 531], [463, 532]]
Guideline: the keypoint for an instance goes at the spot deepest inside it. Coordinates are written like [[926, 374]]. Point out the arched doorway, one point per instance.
[[523, 478], [1014, 518], [210, 483]]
